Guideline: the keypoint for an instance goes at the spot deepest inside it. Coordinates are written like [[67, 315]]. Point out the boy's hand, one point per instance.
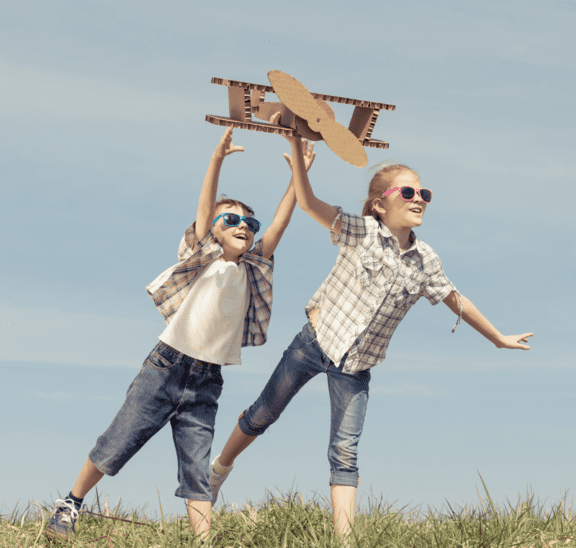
[[225, 146], [514, 341]]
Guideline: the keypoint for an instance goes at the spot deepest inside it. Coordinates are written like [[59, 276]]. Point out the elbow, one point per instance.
[[453, 303], [304, 207]]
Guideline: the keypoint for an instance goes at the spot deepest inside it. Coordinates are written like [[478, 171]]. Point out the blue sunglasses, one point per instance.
[[231, 219]]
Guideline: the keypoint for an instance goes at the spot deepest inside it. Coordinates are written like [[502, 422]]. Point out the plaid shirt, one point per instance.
[[370, 289], [169, 290]]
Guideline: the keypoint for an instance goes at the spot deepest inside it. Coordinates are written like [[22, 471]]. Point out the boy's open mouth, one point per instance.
[[416, 209], [241, 237]]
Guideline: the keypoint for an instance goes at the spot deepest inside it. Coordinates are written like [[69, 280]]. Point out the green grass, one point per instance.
[[289, 522]]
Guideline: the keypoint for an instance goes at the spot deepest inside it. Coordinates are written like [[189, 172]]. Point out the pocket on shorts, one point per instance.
[[158, 361]]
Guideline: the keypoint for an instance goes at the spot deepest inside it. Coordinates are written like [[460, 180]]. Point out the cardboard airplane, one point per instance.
[[302, 112]]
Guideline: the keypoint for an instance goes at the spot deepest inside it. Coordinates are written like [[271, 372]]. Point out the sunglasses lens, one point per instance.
[[252, 224], [407, 192], [231, 219], [426, 195]]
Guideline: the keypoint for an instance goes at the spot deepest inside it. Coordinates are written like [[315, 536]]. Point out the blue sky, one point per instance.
[[103, 151]]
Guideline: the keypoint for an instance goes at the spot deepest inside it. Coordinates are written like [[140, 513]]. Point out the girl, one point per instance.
[[381, 271], [217, 299]]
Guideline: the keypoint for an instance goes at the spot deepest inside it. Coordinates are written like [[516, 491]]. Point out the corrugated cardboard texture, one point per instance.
[[245, 99]]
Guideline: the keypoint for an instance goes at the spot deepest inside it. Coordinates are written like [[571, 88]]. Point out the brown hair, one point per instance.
[[382, 181], [223, 200]]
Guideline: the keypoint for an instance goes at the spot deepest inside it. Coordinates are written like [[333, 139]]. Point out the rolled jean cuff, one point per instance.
[[244, 426], [98, 461], [351, 479], [191, 495]]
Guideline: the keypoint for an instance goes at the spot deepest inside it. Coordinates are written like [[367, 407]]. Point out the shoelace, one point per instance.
[[67, 517]]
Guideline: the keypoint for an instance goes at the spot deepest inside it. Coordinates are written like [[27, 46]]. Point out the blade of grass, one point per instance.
[[24, 516], [161, 513], [489, 499], [98, 501], [14, 512], [41, 526]]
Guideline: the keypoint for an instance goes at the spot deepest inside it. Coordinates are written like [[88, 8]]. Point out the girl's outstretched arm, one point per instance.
[[205, 214], [273, 235], [472, 316], [317, 209]]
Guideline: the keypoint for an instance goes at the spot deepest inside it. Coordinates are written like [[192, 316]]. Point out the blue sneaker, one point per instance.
[[61, 524]]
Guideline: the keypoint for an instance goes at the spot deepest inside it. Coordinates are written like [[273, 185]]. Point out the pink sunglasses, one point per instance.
[[407, 193]]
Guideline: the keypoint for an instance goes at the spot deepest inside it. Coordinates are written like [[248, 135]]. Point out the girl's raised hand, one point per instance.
[[309, 155], [514, 341], [225, 145]]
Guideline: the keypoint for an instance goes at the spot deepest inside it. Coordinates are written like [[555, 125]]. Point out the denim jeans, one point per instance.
[[303, 360], [170, 387]]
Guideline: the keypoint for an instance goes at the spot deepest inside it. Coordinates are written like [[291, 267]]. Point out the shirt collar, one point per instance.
[[384, 231]]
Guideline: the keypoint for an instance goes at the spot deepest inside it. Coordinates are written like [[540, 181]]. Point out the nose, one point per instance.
[[244, 227], [418, 198]]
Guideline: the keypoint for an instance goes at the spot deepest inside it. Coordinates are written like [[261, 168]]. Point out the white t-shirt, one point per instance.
[[209, 323]]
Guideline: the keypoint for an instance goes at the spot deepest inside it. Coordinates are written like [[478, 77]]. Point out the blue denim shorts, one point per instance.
[[170, 387], [303, 360]]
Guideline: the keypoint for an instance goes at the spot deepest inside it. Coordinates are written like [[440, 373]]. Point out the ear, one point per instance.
[[377, 206]]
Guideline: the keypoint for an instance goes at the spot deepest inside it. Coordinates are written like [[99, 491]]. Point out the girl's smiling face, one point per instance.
[[396, 212], [235, 240]]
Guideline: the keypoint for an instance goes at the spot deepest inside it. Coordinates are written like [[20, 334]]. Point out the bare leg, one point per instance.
[[88, 478], [343, 505], [200, 514], [237, 442]]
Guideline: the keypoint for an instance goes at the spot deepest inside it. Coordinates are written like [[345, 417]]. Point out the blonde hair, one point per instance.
[[222, 199], [382, 181]]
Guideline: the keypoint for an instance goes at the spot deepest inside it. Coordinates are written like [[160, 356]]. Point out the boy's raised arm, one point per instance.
[[205, 215], [275, 231]]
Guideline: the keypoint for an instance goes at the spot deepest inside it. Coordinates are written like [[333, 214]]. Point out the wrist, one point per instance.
[[498, 340]]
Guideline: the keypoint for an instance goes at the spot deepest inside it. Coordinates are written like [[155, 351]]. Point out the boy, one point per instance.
[[217, 299]]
